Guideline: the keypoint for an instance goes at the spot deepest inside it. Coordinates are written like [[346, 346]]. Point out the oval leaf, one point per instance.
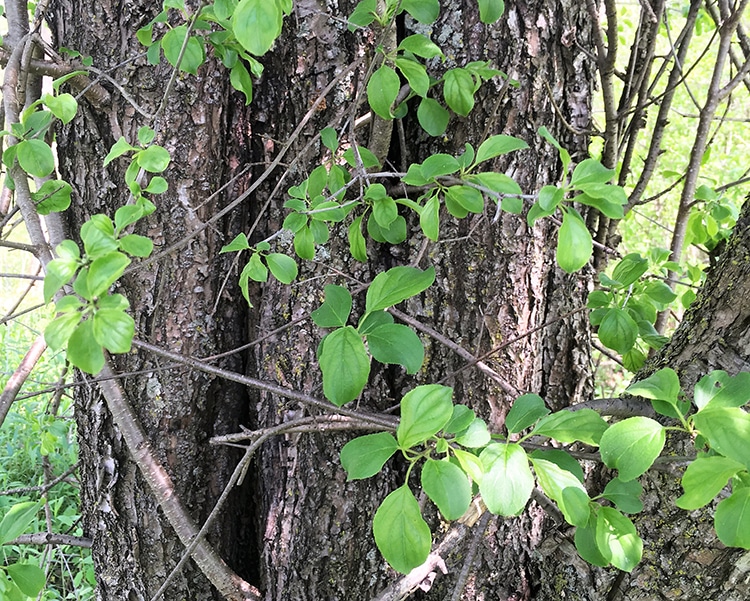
[[574, 243], [382, 90], [424, 411], [396, 344], [345, 365], [732, 519], [396, 285], [401, 533], [632, 445], [507, 481], [447, 486], [365, 456], [257, 24]]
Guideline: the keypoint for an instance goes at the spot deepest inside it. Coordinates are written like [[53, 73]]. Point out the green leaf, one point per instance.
[[113, 329], [282, 266], [565, 489], [429, 218], [526, 410], [663, 385], [439, 164], [104, 271], [257, 24], [727, 430], [566, 426], [718, 389], [432, 117], [496, 145], [415, 74], [424, 11], [63, 106], [396, 344], [35, 157], [632, 445], [425, 410], [238, 243], [153, 159], [382, 90], [59, 272], [470, 464], [574, 243], [30, 579], [617, 539], [98, 235], [329, 138], [626, 495], [447, 486], [458, 90], [732, 519], [136, 246], [660, 292], [385, 211], [370, 321], [490, 10], [467, 197], [607, 199], [618, 330], [335, 310], [241, 81], [461, 418], [590, 171], [345, 365], [364, 14], [629, 269], [497, 182], [585, 541], [507, 482], [357, 242], [401, 533], [59, 330], [562, 459], [476, 435], [52, 197], [255, 269], [120, 148], [705, 478], [17, 519], [83, 350], [366, 155], [396, 285], [365, 456], [304, 245], [420, 45]]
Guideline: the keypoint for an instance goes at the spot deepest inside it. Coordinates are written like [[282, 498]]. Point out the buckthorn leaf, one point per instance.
[[365, 456], [401, 534]]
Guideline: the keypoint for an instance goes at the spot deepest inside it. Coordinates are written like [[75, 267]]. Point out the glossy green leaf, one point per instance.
[[565, 489], [29, 579], [420, 45], [585, 425], [585, 542], [357, 242], [59, 272], [663, 385], [562, 459], [470, 199], [58, 330], [345, 365], [617, 539], [433, 117], [424, 11], [507, 482], [429, 218], [365, 456], [475, 436], [401, 533], [626, 495], [425, 410], [257, 24], [438, 165], [382, 90], [52, 197], [153, 159], [396, 285], [136, 245], [496, 182], [718, 389], [461, 418], [385, 211], [238, 243], [574, 243], [618, 330], [607, 199], [447, 486], [98, 235], [105, 271], [632, 445], [35, 157], [255, 269], [119, 148], [526, 410], [17, 519], [63, 106], [660, 292], [194, 54], [304, 245], [590, 171], [113, 329], [470, 464], [458, 90], [370, 321], [629, 269], [490, 10], [335, 310], [497, 145], [396, 344], [732, 519], [705, 478], [727, 430], [282, 266], [241, 81], [83, 350], [415, 74]]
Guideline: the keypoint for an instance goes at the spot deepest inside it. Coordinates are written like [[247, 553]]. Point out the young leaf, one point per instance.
[[415, 74], [257, 24], [718, 389], [429, 218], [52, 197], [565, 489], [35, 157], [432, 117], [590, 171], [574, 243], [282, 266], [104, 271], [632, 445], [364, 14], [439, 164], [617, 539], [618, 330], [345, 365], [238, 243], [58, 331], [365, 456], [194, 54], [113, 329], [424, 411], [83, 350], [136, 245], [727, 430], [471, 464], [396, 285], [370, 321], [458, 90], [507, 481], [420, 45], [461, 417], [663, 385], [382, 90], [732, 519], [329, 138], [17, 519], [241, 81], [468, 198], [59, 272], [396, 344], [447, 486], [335, 310], [626, 495], [475, 436], [496, 145], [585, 541], [562, 459], [304, 245], [566, 426], [401, 533], [705, 478], [526, 410], [120, 148], [629, 269], [153, 159], [357, 242]]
